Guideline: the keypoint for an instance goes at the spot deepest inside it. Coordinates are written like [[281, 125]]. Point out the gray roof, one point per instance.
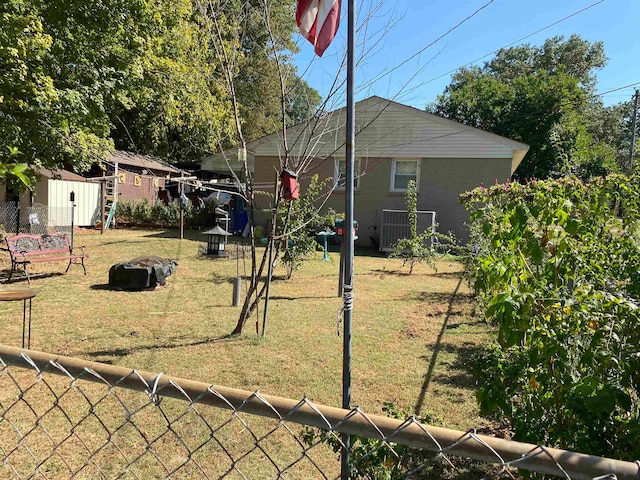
[[142, 161], [60, 175]]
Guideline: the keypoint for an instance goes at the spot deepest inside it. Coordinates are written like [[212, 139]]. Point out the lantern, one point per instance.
[[289, 185], [217, 241]]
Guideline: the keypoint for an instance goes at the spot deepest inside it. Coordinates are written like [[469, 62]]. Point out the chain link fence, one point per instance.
[[62, 417], [36, 219]]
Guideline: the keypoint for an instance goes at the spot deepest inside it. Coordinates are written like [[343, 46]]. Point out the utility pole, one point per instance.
[[347, 279], [633, 131]]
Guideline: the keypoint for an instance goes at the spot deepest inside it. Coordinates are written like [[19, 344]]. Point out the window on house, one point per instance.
[[341, 173], [402, 171]]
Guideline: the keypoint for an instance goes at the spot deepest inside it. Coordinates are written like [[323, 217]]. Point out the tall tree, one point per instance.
[[45, 114], [79, 76], [263, 32], [538, 95]]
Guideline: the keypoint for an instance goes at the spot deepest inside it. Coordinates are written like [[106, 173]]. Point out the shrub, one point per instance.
[[303, 221], [142, 214], [417, 248], [558, 275]]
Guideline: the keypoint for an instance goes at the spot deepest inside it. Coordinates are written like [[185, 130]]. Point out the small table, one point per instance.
[[11, 294], [324, 236]]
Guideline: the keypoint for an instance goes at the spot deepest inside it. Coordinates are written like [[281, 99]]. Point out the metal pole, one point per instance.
[[72, 198], [103, 205], [341, 277], [270, 246], [348, 234], [181, 211], [237, 289], [633, 131]]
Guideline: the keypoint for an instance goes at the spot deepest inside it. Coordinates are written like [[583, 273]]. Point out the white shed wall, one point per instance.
[[87, 210]]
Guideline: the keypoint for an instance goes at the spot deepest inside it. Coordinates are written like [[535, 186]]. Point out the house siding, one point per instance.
[[129, 191], [393, 130], [441, 182], [218, 164]]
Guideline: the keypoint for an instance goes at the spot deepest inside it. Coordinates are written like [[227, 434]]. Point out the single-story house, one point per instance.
[[395, 143]]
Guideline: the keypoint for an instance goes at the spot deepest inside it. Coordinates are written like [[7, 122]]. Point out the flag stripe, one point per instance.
[[329, 23], [318, 21], [306, 14]]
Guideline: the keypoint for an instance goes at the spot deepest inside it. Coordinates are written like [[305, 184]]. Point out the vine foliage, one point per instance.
[[417, 247], [557, 272]]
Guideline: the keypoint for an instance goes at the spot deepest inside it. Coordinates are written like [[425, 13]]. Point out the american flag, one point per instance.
[[318, 21]]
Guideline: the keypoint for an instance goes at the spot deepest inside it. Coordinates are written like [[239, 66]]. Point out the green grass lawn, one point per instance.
[[412, 334]]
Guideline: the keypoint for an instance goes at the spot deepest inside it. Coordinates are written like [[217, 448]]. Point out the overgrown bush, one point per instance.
[[201, 217], [142, 214], [557, 273]]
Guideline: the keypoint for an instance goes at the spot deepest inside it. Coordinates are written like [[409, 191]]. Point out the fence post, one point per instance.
[[72, 199], [18, 218]]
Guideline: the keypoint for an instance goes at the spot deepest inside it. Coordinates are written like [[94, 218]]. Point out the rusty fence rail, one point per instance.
[[62, 417]]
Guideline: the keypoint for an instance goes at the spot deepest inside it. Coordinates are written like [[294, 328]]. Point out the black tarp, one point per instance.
[[141, 273]]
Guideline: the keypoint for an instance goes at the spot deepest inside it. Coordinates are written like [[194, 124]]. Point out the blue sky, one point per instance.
[[400, 29]]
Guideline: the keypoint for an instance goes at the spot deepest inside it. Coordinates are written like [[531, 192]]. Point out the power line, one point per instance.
[[431, 44], [509, 44], [616, 89]]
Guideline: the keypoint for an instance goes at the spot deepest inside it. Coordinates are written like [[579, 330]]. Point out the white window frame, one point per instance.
[[393, 173], [337, 174]]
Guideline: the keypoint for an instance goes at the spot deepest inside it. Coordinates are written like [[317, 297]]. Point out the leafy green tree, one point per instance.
[[45, 119], [557, 274], [265, 74], [79, 76], [612, 126], [15, 171], [175, 105], [540, 96]]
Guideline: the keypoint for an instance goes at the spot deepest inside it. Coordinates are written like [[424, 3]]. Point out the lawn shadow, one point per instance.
[[106, 286], [461, 365], [303, 298], [437, 347], [121, 352], [447, 274], [21, 277], [118, 242], [189, 234], [460, 380], [218, 279], [465, 354], [383, 271], [440, 297]]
